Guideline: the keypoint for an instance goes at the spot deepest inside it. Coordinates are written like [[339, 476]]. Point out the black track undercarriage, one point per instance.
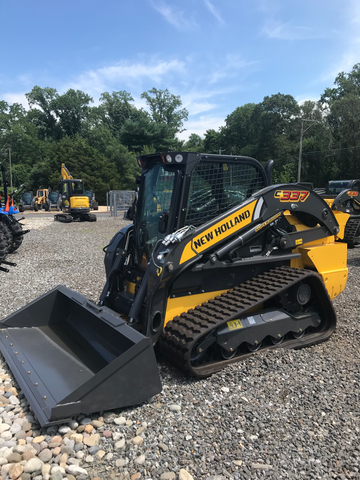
[[282, 308]]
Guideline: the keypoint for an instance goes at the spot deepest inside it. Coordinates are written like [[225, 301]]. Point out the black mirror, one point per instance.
[[138, 179], [130, 213], [163, 220]]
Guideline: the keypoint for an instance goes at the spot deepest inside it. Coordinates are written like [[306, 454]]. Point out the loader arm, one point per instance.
[[265, 229]]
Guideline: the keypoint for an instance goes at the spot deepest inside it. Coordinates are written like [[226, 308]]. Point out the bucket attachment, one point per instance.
[[70, 356]]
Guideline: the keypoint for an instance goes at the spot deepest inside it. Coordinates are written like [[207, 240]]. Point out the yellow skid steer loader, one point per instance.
[[218, 264]]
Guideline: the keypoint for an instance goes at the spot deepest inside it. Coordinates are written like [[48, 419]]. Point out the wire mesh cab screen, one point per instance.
[[217, 186]]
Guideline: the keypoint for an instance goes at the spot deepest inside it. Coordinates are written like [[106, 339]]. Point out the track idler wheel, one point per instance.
[[299, 334], [255, 347], [197, 354], [278, 340], [227, 355]]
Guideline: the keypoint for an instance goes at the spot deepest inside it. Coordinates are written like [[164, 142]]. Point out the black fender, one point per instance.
[[348, 201]]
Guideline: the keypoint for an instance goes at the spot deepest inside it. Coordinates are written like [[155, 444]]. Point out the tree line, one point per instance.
[[100, 143]]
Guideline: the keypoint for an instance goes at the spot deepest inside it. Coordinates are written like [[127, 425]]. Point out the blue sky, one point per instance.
[[217, 55]]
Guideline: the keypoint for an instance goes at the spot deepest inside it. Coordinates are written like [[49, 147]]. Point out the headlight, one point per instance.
[[169, 158], [178, 158]]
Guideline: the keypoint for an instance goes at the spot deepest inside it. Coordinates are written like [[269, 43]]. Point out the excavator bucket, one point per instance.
[[70, 356]]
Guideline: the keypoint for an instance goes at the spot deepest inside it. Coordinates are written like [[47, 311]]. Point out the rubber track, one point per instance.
[[184, 331], [351, 228], [63, 218]]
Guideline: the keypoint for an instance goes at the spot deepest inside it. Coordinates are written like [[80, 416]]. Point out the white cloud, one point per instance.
[[304, 98], [126, 74], [26, 79], [174, 16], [15, 98], [196, 108], [201, 125], [287, 31], [196, 101], [344, 64], [354, 12], [214, 11], [230, 68]]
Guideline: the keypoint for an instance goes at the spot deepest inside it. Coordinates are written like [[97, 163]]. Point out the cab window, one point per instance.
[[215, 187]]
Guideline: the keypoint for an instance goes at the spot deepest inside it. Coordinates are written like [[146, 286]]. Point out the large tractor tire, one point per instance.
[[36, 208], [16, 238], [7, 235], [3, 242]]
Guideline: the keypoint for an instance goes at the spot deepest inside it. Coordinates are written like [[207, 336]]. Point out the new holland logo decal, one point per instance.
[[218, 232]]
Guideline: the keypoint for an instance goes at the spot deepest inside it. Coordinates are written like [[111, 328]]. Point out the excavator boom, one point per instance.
[[65, 173]]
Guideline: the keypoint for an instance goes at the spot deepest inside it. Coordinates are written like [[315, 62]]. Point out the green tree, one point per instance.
[[238, 131], [194, 144], [141, 131], [213, 141], [72, 109], [42, 114], [116, 108], [83, 161], [166, 108]]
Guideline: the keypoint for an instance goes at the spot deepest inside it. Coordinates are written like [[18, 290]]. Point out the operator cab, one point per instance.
[[70, 189], [178, 189]]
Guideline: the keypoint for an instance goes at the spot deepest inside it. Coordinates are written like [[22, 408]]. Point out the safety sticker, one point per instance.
[[234, 324]]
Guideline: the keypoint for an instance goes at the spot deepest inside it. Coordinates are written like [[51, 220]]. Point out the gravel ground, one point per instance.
[[281, 415]]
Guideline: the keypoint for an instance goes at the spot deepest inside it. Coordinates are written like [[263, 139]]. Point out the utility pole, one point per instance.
[[301, 140], [8, 147], [11, 185]]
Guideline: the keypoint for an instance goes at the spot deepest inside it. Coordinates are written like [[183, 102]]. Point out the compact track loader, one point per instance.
[[346, 207], [53, 201], [218, 264]]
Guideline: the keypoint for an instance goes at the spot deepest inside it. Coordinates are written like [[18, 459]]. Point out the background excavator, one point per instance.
[[217, 265], [74, 202]]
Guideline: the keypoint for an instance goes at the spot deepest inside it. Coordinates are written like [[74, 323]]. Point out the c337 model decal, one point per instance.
[[292, 195], [352, 194], [229, 225]]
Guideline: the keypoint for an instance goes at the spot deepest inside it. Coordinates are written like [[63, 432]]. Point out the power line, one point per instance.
[[330, 150]]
